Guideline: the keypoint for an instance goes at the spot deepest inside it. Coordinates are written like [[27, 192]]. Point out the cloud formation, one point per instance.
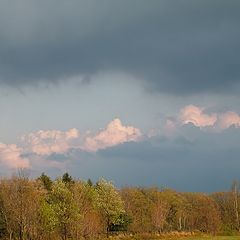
[[152, 155], [184, 163], [59, 142], [11, 156], [175, 47], [199, 118], [115, 133], [51, 141], [229, 119], [51, 144], [195, 115]]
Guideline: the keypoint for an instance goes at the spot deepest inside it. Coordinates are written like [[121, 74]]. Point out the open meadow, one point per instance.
[[214, 238], [182, 238], [206, 238]]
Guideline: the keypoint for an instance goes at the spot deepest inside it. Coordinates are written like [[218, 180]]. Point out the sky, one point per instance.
[[143, 93]]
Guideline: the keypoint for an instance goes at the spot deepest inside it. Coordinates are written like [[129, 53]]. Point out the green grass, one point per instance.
[[211, 238], [214, 238], [205, 238], [183, 238]]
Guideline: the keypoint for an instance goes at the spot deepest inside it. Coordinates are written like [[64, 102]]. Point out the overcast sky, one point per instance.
[[139, 92]]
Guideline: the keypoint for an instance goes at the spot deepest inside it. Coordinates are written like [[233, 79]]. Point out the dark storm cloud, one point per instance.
[[173, 46]]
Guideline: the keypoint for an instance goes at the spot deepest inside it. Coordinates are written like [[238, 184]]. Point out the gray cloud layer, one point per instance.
[[208, 162], [178, 47]]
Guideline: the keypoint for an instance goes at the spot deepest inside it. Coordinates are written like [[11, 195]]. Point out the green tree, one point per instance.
[[177, 212], [235, 203], [139, 207], [46, 181], [60, 211], [224, 201], [3, 227], [21, 199], [66, 178], [89, 182], [160, 209], [85, 196], [110, 204], [203, 213]]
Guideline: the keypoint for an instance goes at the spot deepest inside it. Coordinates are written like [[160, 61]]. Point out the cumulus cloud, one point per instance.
[[10, 156], [127, 146], [115, 133], [46, 143], [229, 119], [51, 141], [199, 118], [195, 115], [59, 142]]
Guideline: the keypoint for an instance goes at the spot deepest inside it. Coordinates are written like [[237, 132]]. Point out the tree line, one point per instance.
[[67, 208]]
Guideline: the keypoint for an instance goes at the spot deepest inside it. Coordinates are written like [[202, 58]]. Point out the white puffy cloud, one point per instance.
[[115, 133], [10, 156], [50, 141], [55, 141], [195, 115]]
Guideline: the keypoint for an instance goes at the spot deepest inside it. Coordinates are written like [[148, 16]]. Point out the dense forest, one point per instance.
[[67, 208]]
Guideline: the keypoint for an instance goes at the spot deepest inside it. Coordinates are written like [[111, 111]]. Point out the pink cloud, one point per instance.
[[54, 141], [228, 119], [115, 133], [10, 156], [195, 115], [219, 121], [51, 141]]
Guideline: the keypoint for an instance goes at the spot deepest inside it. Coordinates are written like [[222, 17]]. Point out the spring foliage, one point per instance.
[[67, 208]]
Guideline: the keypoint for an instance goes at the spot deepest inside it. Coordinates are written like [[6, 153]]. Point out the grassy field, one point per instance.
[[183, 238], [200, 238], [210, 238]]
